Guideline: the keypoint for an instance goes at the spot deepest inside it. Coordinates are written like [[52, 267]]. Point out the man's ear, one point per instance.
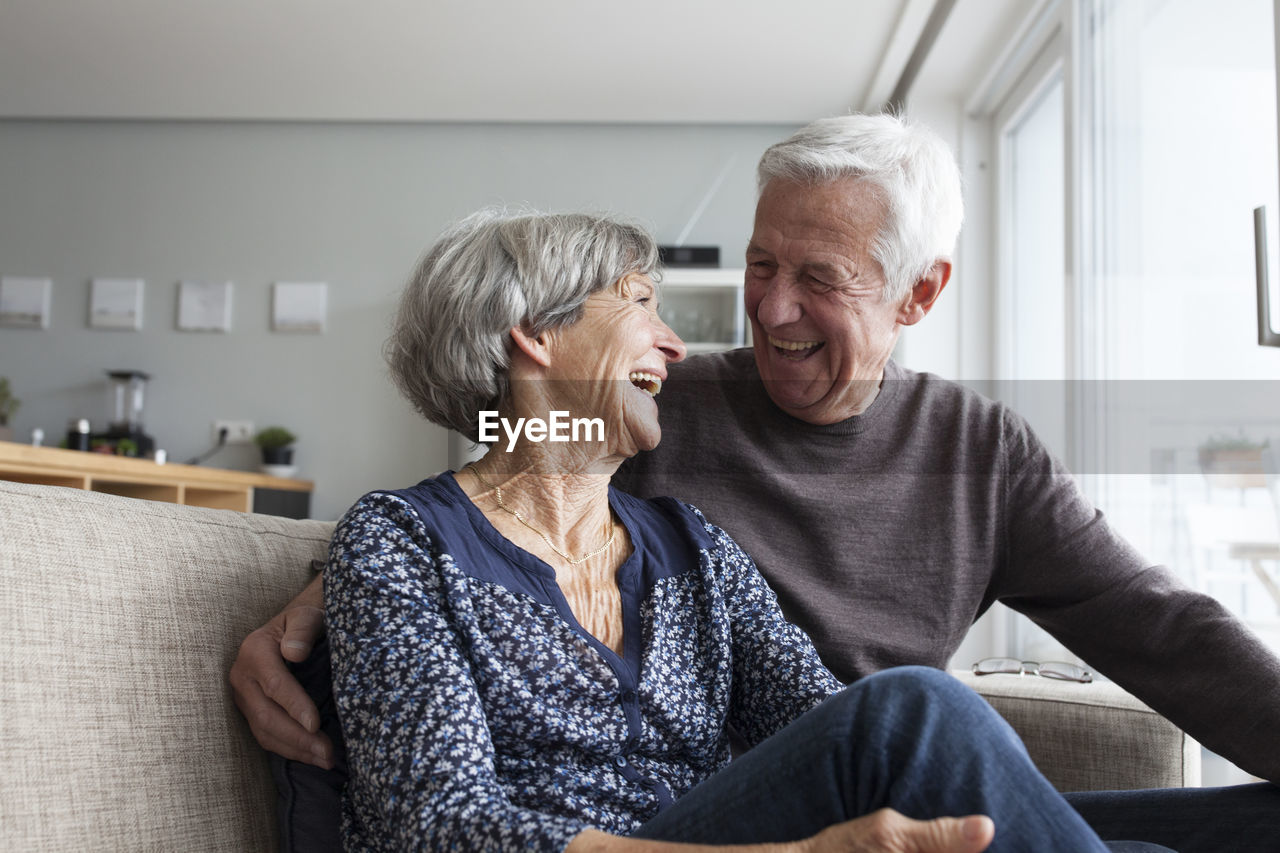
[[924, 293], [533, 346]]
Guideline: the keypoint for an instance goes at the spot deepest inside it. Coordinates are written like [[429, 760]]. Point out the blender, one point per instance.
[[124, 435]]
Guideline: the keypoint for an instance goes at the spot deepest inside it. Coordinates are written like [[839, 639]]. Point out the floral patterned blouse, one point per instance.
[[479, 715]]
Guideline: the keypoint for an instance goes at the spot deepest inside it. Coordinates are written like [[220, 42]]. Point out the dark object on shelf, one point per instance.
[[78, 434], [277, 456], [284, 502], [689, 256], [125, 435], [276, 443]]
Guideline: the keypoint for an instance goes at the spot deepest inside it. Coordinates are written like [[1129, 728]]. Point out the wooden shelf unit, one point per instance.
[[217, 488], [704, 307]]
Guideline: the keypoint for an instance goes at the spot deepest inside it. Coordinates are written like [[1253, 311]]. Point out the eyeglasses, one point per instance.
[[1055, 669]]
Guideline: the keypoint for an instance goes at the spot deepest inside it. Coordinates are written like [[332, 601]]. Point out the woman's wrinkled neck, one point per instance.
[[562, 489]]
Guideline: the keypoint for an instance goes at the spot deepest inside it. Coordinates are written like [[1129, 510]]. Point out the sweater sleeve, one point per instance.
[[419, 748], [1178, 650], [777, 674]]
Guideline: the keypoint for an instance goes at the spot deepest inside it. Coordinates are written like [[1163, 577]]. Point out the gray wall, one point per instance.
[[353, 205]]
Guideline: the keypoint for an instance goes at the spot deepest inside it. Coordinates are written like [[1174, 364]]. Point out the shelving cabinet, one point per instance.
[[704, 307], [217, 488]]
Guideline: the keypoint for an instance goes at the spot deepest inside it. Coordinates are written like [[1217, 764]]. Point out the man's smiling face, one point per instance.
[[814, 295]]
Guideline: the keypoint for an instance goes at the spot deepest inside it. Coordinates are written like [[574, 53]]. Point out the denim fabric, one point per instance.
[[309, 799], [1192, 820], [912, 739]]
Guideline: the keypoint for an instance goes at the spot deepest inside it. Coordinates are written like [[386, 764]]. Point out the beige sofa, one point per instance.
[[119, 619]]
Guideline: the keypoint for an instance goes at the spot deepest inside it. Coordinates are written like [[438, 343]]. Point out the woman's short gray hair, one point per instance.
[[911, 168], [449, 349]]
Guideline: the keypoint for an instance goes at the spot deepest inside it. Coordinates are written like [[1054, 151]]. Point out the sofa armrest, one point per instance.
[[1091, 737], [119, 619]]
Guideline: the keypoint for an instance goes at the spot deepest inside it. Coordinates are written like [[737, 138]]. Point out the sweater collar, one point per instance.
[[884, 401]]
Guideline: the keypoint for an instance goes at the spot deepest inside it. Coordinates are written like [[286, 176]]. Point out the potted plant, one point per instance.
[[1233, 461], [276, 444], [9, 405]]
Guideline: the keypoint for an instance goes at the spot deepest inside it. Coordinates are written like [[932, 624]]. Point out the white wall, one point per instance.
[[353, 205]]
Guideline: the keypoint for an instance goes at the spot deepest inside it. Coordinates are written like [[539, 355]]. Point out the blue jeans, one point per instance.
[[1192, 820], [912, 739], [1198, 821]]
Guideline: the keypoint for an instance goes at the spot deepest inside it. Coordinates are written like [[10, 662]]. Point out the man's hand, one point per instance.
[[884, 831], [280, 713], [887, 831]]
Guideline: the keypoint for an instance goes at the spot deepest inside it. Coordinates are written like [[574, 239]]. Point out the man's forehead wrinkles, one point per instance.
[[854, 236], [842, 267], [829, 255]]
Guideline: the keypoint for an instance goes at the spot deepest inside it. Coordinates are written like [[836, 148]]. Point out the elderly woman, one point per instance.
[[526, 659]]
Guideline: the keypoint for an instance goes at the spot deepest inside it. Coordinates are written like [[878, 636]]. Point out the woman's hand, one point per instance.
[[884, 831], [280, 713]]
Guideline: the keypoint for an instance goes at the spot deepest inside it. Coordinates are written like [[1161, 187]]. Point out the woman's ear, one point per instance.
[[533, 346]]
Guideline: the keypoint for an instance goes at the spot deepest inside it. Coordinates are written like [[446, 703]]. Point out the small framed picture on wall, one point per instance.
[[116, 303], [204, 306], [299, 306], [24, 302]]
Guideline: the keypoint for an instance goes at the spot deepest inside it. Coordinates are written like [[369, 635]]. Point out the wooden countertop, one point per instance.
[[105, 466]]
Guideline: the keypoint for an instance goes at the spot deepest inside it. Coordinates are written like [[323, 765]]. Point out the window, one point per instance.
[[1031, 299], [1132, 141], [1184, 134], [1031, 295], [1181, 130]]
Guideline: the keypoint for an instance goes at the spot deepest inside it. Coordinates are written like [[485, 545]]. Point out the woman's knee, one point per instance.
[[913, 703], [915, 687], [924, 678]]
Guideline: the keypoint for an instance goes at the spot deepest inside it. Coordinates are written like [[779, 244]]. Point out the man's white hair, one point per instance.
[[912, 171]]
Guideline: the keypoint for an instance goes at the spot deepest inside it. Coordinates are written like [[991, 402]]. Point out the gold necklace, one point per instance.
[[520, 518]]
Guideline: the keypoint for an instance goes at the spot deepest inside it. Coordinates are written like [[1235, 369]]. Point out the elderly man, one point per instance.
[[890, 509]]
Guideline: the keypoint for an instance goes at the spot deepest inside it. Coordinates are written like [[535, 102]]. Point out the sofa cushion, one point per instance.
[[119, 619], [1091, 737]]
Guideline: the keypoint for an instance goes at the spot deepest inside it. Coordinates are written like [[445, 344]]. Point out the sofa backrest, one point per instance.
[[119, 619]]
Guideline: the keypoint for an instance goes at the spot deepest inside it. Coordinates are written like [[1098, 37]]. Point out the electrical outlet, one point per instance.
[[238, 432]]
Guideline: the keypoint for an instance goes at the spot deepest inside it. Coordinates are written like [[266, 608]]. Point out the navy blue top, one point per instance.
[[478, 713]]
